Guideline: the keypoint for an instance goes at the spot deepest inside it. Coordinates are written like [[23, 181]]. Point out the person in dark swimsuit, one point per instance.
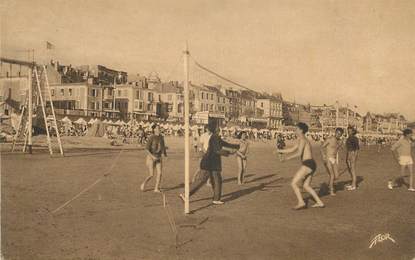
[[308, 167], [352, 146]]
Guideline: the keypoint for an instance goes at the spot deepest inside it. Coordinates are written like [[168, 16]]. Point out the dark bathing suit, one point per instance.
[[309, 163], [352, 143]]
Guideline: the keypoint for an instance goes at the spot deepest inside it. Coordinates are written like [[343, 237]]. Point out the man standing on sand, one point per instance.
[[352, 146], [308, 167], [211, 164], [332, 146]]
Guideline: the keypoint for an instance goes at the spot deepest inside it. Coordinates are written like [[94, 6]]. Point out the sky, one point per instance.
[[359, 52]]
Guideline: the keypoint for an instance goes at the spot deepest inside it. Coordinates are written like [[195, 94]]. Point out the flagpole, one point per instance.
[[186, 135]]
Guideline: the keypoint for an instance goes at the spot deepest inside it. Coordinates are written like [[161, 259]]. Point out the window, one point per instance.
[[203, 95], [140, 105], [97, 106], [169, 107], [262, 104], [52, 92], [62, 92], [169, 97], [211, 107], [211, 96], [137, 94], [136, 104], [149, 107], [179, 108], [119, 93], [70, 92], [150, 96], [201, 107]]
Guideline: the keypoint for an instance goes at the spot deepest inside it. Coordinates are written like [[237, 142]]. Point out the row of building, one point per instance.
[[97, 91]]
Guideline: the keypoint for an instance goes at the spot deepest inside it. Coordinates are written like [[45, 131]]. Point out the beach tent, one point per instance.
[[119, 122], [97, 129], [66, 120], [80, 121]]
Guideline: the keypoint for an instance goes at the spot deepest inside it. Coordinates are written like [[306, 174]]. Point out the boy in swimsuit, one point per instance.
[[241, 156], [331, 147], [308, 166], [402, 151]]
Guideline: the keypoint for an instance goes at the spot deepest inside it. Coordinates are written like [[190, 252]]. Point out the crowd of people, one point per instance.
[[212, 145], [139, 131]]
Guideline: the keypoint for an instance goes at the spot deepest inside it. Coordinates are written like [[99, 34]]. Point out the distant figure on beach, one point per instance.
[[308, 167], [280, 143], [402, 151]]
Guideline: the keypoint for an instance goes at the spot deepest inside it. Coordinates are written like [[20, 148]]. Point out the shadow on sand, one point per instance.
[[181, 185], [339, 186], [243, 192]]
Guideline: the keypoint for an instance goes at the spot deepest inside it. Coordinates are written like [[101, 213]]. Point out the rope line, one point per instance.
[[218, 75], [90, 186]]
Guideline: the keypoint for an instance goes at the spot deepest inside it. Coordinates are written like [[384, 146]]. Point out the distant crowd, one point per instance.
[[135, 131]]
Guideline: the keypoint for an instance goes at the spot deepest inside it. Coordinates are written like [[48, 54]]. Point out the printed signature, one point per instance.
[[380, 238]]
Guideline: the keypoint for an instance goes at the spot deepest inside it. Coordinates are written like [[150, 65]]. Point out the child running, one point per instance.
[[241, 156], [331, 147], [308, 167], [402, 151], [155, 149]]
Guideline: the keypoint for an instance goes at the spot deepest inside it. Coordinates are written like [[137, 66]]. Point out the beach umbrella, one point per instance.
[[91, 121]]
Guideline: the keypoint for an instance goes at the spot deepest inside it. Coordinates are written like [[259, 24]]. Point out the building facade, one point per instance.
[[270, 107]]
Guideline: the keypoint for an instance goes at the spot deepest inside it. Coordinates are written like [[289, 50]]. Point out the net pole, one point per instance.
[[30, 110], [187, 132]]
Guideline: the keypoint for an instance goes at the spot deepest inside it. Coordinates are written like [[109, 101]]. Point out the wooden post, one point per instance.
[[30, 111], [347, 115], [337, 114], [186, 135], [43, 111], [53, 110]]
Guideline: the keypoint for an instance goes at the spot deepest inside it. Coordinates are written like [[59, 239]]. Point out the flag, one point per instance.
[[49, 45]]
